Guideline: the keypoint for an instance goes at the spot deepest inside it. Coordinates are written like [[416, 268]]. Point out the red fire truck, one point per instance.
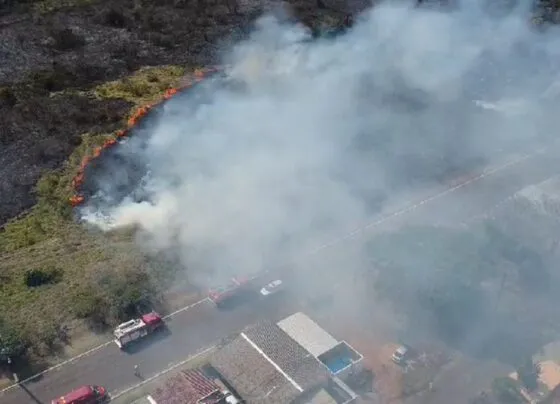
[[133, 330], [84, 395], [235, 287]]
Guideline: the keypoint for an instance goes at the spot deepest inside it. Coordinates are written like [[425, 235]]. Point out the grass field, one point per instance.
[[56, 274]]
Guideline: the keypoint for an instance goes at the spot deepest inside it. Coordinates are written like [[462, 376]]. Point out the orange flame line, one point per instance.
[[77, 199]]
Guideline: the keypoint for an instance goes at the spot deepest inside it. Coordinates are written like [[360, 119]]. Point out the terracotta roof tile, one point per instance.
[[187, 387]]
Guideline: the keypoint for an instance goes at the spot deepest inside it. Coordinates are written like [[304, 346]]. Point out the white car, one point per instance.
[[272, 288], [401, 355]]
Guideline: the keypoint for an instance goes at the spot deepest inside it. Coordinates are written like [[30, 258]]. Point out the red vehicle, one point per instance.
[[138, 328], [222, 294], [84, 395]]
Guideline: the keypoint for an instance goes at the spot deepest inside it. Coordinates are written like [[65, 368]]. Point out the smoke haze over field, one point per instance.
[[307, 139]]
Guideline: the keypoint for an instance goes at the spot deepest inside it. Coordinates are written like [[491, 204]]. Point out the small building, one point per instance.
[[338, 356], [189, 387], [265, 365], [308, 333]]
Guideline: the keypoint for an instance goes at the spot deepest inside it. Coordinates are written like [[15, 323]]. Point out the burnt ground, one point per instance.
[[50, 56], [129, 165]]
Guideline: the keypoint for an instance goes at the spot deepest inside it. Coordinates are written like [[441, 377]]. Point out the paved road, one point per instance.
[[189, 331], [204, 325], [461, 202]]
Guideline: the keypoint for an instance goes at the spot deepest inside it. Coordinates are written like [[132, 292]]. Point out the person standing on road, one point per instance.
[[136, 371]]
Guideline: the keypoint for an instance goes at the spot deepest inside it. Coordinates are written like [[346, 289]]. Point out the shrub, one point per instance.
[[88, 305], [114, 18], [51, 80], [7, 96], [127, 294], [11, 342], [40, 277], [66, 39]]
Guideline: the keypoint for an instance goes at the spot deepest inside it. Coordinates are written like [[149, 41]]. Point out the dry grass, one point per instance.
[[145, 86], [83, 259], [47, 238], [50, 218]]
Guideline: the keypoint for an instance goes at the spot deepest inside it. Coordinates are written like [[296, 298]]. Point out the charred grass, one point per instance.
[[56, 274], [50, 6]]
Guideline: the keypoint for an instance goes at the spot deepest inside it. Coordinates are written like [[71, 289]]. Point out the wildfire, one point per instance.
[[78, 180]]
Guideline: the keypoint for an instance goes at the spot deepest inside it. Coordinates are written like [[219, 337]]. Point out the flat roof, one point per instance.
[[308, 333]]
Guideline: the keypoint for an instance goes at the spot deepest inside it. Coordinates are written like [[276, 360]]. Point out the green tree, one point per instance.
[[128, 293], [89, 304], [11, 342]]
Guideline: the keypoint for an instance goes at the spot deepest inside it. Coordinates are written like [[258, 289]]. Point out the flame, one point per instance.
[[85, 161], [109, 143], [199, 74], [77, 199], [170, 93]]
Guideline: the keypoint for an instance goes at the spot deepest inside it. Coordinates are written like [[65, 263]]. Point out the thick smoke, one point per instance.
[[307, 139]]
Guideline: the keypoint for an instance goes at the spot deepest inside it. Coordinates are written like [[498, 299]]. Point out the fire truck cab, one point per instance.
[[133, 330], [236, 286], [84, 395]]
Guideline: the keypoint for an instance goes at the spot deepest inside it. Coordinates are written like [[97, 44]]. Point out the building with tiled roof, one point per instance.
[[263, 364], [189, 387]]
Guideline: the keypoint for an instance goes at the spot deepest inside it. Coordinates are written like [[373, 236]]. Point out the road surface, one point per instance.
[[190, 331], [203, 325], [463, 201]]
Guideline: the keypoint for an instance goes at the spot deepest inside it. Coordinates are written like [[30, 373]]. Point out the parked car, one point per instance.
[[272, 288], [401, 355]]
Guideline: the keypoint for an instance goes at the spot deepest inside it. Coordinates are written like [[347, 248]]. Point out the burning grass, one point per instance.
[[143, 89], [100, 275], [52, 214]]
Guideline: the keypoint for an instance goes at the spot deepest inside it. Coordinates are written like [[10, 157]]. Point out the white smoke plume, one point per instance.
[[316, 135]]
